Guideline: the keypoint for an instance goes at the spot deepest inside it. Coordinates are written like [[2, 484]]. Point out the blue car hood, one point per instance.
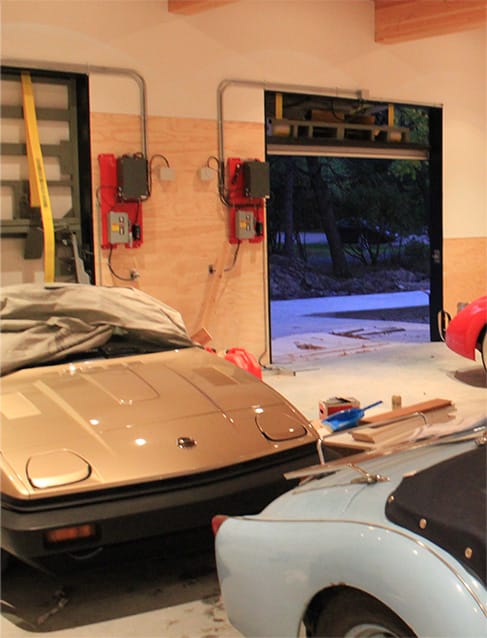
[[359, 489]]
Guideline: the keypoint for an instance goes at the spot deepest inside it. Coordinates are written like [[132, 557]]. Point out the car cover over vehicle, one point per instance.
[[45, 323]]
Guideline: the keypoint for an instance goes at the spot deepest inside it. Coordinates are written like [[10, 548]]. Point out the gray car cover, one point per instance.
[[43, 323]]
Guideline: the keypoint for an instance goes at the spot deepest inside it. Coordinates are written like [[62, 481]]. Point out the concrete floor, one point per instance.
[[176, 594]]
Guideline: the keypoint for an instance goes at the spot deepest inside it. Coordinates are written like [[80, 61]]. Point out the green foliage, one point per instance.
[[416, 256], [389, 198], [417, 120]]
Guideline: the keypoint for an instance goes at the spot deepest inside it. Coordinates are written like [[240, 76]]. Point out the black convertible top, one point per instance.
[[446, 504]]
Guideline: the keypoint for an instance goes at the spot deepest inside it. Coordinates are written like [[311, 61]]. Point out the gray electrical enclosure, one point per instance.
[[244, 224], [118, 228], [132, 177], [256, 179]]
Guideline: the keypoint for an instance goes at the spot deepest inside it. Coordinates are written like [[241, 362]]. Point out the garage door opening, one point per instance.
[[353, 230]]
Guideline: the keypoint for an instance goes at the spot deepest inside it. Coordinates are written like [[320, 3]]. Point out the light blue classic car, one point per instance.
[[379, 544]]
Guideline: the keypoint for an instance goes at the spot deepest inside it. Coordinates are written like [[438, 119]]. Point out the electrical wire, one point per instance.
[[109, 263], [235, 255], [163, 157], [137, 214], [220, 170], [215, 159], [221, 184]]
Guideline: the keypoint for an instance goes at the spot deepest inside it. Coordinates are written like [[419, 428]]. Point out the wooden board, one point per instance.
[[424, 406], [378, 430], [401, 429]]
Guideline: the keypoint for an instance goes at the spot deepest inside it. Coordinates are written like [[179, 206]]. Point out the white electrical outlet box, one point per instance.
[[166, 174], [118, 228], [206, 174]]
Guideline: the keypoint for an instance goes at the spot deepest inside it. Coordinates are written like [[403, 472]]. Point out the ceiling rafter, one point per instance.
[[404, 20], [395, 20], [190, 7]]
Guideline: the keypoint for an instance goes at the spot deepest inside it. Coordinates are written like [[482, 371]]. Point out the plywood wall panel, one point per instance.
[[465, 270], [185, 228]]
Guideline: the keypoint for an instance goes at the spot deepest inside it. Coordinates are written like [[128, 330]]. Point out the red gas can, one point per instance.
[[243, 359]]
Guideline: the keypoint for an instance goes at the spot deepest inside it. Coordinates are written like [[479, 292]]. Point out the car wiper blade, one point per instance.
[[120, 349]]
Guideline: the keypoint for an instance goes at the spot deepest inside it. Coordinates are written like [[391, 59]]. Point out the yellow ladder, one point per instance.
[[39, 194]]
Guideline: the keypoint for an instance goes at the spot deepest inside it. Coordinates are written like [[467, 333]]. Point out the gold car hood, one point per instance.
[[114, 422]]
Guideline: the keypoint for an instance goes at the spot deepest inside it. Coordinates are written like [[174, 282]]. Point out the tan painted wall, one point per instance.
[[324, 43]]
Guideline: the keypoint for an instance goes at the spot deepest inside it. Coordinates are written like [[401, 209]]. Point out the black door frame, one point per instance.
[[80, 145]]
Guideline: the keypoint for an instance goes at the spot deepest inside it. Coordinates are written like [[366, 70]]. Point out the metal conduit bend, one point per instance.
[[87, 69]]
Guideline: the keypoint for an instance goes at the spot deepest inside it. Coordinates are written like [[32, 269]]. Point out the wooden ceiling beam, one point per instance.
[[190, 7], [395, 20], [403, 20]]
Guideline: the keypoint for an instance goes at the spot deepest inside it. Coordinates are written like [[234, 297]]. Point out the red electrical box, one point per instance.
[[247, 188], [121, 220]]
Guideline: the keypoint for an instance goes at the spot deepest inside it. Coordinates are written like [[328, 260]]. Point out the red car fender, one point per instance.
[[463, 331]]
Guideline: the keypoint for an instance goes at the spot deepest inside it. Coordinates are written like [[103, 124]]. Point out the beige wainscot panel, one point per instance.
[[185, 259], [464, 270]]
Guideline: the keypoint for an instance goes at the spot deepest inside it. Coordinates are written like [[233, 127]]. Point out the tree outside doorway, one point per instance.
[[348, 226]]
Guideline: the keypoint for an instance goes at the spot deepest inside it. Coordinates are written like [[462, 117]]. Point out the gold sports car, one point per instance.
[[117, 427]]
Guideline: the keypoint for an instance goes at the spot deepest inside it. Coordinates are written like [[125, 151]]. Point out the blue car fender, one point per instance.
[[267, 585]]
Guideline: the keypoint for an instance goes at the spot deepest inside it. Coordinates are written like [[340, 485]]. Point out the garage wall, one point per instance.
[[323, 43], [185, 229]]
